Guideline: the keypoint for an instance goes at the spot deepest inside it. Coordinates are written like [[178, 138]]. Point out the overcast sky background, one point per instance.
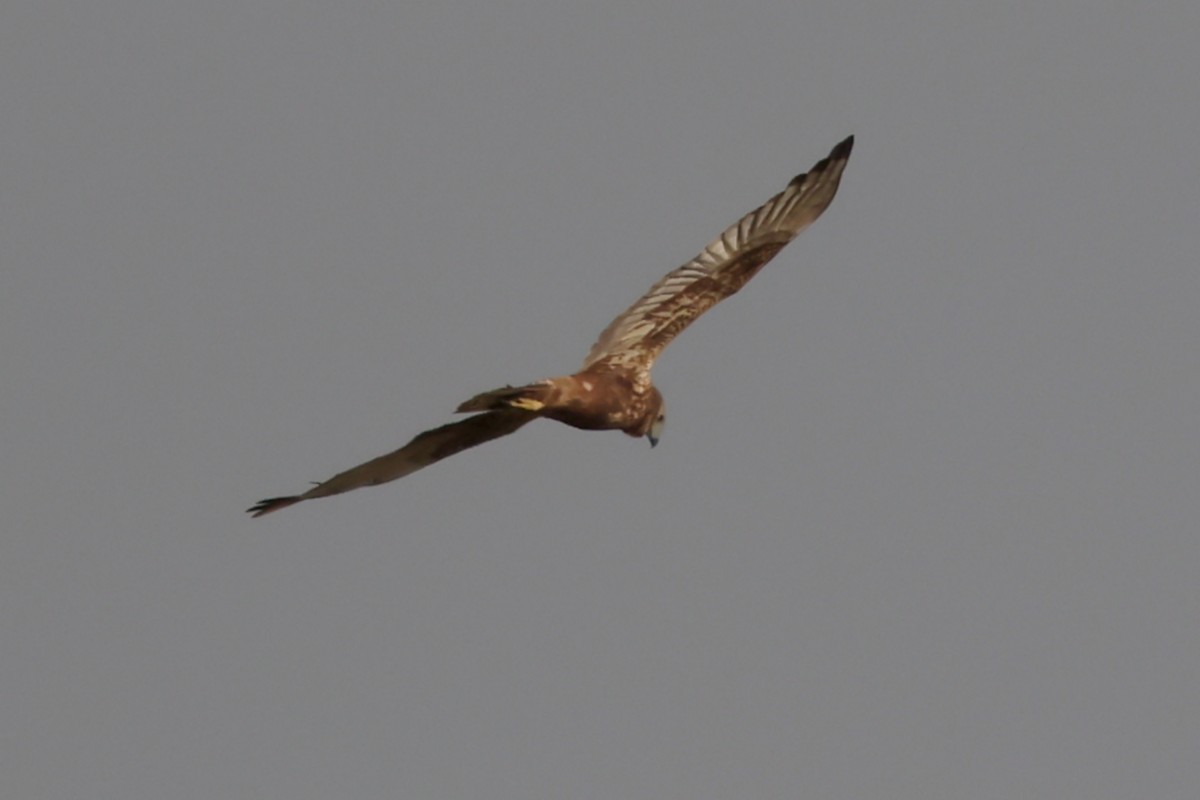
[[924, 520]]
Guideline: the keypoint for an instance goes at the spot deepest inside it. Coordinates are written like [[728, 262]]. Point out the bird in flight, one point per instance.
[[613, 390]]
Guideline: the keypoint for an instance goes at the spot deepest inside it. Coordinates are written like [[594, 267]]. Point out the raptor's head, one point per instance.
[[657, 416]]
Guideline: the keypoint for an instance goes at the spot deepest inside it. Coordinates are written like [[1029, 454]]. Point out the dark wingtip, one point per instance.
[[272, 504], [840, 152]]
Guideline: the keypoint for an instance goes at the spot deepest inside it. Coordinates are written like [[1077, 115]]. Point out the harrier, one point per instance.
[[613, 390]]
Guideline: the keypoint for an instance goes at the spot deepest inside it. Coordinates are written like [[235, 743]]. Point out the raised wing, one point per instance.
[[636, 337], [427, 448]]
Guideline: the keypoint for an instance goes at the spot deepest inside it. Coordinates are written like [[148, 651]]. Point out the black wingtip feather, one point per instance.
[[272, 504], [840, 152]]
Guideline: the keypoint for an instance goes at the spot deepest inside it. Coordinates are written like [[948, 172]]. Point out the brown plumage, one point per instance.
[[613, 391]]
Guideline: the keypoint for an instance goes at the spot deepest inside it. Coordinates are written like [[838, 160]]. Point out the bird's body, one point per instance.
[[613, 390], [594, 399]]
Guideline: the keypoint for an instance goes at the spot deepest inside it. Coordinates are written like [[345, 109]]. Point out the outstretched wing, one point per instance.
[[637, 336], [427, 448]]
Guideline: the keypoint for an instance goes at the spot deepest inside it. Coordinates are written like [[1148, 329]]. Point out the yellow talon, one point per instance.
[[527, 404]]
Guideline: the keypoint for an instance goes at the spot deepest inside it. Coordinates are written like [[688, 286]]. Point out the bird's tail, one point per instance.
[[531, 397]]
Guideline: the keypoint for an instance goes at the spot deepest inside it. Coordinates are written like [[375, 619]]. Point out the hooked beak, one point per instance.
[[656, 429]]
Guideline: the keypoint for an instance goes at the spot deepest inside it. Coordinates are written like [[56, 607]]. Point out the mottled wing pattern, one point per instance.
[[425, 449], [636, 337]]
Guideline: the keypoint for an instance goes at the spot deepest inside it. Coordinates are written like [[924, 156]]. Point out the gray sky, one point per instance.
[[923, 523]]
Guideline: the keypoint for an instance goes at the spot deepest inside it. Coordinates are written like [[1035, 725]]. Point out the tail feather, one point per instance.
[[531, 397]]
